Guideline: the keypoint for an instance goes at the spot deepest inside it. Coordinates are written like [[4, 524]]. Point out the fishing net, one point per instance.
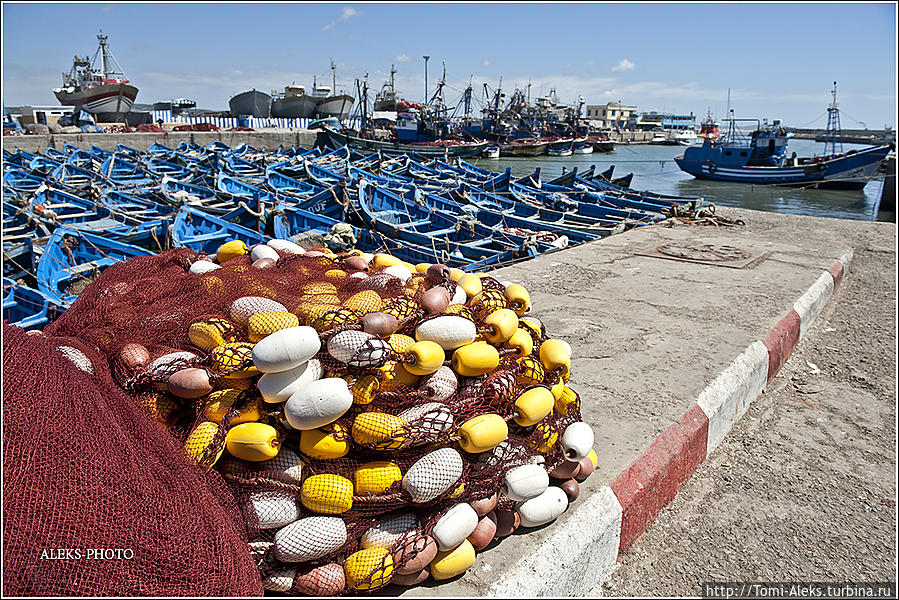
[[347, 502], [95, 501]]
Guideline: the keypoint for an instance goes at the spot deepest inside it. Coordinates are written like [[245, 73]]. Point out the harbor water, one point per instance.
[[655, 170]]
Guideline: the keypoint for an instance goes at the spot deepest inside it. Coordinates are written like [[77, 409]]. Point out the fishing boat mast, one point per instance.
[[834, 134]]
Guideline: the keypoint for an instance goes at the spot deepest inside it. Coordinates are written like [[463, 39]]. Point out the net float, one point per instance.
[[567, 401], [427, 357], [189, 383], [482, 433], [507, 521], [399, 271], [382, 259], [594, 460], [376, 477], [318, 403], [530, 371], [435, 300], [286, 466], [230, 250], [382, 283], [278, 387], [246, 306], [533, 405], [577, 441], [454, 526], [356, 263], [279, 580], [429, 420], [484, 505], [366, 301], [378, 323], [222, 401], [263, 324], [326, 580], [571, 489], [453, 562], [459, 296], [392, 376], [357, 348], [382, 429], [309, 538], [263, 251], [544, 508], [437, 274], [411, 579], [211, 332], [449, 331], [521, 341], [456, 274], [433, 474], [500, 325], [524, 482], [203, 266], [554, 354], [389, 531], [475, 359], [586, 469], [286, 349], [414, 554], [271, 509], [484, 532], [234, 360], [134, 355], [439, 385], [285, 246], [327, 493], [202, 437], [252, 441], [331, 442], [544, 438], [566, 470], [471, 283], [258, 551], [264, 263], [368, 569], [518, 297], [166, 362]]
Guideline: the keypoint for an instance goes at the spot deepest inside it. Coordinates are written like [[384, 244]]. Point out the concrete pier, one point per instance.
[[263, 138]]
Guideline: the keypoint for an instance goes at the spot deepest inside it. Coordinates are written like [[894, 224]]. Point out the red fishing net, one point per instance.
[[345, 505]]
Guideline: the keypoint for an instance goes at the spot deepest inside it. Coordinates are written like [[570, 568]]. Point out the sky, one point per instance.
[[778, 60]]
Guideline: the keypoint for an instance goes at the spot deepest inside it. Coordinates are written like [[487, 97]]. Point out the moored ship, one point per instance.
[[294, 103], [253, 103], [101, 88]]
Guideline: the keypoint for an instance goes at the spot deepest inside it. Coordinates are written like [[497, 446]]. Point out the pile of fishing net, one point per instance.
[[377, 422]]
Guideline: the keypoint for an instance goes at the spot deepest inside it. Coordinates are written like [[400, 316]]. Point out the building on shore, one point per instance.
[[612, 115], [648, 121]]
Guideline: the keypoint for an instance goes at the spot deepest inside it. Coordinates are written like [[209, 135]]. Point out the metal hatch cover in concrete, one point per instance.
[[666, 356]]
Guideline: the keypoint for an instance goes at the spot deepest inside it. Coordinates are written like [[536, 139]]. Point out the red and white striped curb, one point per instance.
[[581, 552]]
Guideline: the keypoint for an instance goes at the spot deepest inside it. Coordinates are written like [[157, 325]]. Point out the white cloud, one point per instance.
[[624, 65], [402, 58], [348, 12], [486, 63]]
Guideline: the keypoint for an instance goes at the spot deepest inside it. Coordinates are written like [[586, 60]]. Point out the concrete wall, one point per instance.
[[141, 141]]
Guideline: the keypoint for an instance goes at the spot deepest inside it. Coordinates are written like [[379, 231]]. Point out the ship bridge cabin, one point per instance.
[[765, 146]]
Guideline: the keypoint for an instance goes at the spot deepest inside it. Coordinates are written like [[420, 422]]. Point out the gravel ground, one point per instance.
[[804, 487]]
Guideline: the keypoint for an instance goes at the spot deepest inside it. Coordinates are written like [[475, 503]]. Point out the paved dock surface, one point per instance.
[[648, 335], [804, 488]]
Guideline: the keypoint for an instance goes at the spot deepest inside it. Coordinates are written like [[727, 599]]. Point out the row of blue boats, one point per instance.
[[70, 213]]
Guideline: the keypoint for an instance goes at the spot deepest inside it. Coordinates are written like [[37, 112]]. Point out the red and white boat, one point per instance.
[[100, 87], [709, 129]]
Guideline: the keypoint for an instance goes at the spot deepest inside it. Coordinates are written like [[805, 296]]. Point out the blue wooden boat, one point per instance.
[[18, 182], [55, 154], [288, 186], [203, 232], [78, 178], [121, 171], [178, 193], [27, 307], [577, 214], [412, 223], [157, 150], [761, 157], [71, 255]]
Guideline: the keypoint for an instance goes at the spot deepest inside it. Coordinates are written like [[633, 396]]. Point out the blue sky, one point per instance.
[[774, 58]]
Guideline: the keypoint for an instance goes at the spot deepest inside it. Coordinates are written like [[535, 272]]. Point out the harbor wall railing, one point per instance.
[[166, 116]]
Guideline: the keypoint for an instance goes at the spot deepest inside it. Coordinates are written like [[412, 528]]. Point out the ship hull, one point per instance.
[[338, 139], [851, 170], [293, 108], [253, 103], [334, 106], [106, 99]]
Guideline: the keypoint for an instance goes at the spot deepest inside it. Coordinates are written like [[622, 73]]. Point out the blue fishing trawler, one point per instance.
[[762, 157]]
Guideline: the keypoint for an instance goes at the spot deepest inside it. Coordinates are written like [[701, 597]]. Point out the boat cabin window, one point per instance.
[[742, 154], [771, 146], [727, 153]]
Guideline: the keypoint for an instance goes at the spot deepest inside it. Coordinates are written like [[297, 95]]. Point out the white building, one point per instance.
[[609, 116]]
